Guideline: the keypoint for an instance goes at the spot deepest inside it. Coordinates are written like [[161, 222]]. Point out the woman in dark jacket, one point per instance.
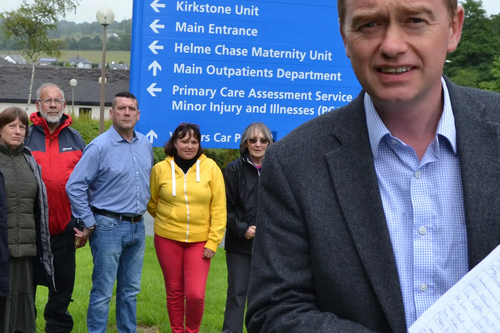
[[241, 178], [27, 224], [4, 250]]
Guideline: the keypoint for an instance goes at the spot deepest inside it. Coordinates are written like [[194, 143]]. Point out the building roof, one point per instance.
[[15, 83], [48, 59], [78, 59], [115, 66], [16, 57], [4, 62]]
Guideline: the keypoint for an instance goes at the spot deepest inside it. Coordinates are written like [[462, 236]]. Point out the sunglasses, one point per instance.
[[189, 125], [262, 141]]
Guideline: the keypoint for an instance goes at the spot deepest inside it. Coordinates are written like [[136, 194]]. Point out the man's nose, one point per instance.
[[394, 41]]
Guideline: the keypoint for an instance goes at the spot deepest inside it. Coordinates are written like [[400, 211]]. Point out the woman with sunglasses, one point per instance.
[[188, 203], [241, 178]]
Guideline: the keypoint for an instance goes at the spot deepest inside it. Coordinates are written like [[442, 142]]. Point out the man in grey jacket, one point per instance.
[[394, 197]]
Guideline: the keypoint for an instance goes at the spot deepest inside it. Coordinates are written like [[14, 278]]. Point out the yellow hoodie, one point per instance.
[[189, 207]]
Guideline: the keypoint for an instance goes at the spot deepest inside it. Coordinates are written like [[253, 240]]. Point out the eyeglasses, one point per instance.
[[189, 125], [263, 141], [49, 102]]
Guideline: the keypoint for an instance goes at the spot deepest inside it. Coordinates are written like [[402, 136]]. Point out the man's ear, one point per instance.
[[456, 29]]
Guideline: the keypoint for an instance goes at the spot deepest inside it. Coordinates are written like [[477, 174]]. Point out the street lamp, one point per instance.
[[73, 84], [104, 16]]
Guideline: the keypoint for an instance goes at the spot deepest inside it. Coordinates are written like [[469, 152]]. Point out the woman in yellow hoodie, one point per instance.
[[188, 203]]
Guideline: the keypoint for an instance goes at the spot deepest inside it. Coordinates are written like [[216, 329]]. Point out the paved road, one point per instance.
[[148, 223]]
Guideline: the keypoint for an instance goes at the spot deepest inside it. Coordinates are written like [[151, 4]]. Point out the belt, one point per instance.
[[128, 218]]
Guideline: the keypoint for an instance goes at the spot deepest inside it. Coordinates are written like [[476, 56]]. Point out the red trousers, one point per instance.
[[185, 272]]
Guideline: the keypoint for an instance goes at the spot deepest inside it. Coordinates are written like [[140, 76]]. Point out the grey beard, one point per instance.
[[53, 119]]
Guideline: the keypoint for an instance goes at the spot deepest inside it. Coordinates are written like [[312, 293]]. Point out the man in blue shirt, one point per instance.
[[109, 191], [394, 197]]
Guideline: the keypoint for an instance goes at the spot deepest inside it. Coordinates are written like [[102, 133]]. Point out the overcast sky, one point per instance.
[[123, 8]]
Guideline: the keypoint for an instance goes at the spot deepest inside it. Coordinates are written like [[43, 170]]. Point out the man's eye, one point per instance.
[[369, 25], [416, 20]]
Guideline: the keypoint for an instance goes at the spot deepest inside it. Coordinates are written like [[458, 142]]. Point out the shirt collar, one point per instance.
[[117, 137], [377, 129]]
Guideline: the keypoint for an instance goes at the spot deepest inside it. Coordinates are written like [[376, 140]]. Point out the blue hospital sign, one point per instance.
[[225, 64]]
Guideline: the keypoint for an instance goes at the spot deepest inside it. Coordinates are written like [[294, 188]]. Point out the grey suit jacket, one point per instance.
[[322, 256]]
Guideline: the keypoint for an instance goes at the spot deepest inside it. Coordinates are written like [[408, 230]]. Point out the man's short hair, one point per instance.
[[47, 85], [451, 4], [125, 94], [10, 114]]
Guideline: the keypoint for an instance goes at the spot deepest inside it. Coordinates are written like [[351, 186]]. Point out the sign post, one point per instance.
[[227, 63]]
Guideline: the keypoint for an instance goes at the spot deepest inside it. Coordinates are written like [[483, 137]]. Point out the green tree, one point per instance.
[[466, 77], [29, 26], [128, 26], [97, 43], [85, 43], [495, 22], [478, 45], [125, 42], [71, 43], [113, 44], [495, 72]]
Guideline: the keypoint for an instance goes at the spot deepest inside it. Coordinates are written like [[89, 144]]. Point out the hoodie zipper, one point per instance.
[[187, 204]]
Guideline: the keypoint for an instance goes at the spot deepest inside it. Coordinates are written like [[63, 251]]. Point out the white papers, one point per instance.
[[472, 305]]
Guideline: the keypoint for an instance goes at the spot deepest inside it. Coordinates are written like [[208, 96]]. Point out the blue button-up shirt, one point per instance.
[[424, 208], [113, 174]]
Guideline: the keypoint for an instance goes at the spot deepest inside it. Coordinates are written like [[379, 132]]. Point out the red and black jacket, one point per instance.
[[57, 154]]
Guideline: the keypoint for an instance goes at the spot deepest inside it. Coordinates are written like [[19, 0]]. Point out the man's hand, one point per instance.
[[208, 254], [81, 237], [250, 232]]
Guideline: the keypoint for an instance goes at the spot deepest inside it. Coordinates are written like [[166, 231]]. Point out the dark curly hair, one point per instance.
[[180, 132]]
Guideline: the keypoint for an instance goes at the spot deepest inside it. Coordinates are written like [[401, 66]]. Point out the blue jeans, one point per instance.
[[118, 253]]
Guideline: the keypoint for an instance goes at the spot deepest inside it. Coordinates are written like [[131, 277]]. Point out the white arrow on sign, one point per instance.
[[155, 66], [155, 5], [153, 47], [155, 26], [151, 136], [151, 89]]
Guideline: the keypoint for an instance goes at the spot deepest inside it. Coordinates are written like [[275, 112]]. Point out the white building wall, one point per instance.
[[95, 109]]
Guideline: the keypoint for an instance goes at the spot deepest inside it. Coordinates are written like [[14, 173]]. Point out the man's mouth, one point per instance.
[[394, 70]]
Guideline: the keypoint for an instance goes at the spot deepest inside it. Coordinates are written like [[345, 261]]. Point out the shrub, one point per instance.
[[88, 127]]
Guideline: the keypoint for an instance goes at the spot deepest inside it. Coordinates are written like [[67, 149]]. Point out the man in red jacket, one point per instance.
[[57, 148]]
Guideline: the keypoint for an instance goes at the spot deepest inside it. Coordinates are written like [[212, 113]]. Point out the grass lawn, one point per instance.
[[151, 305]]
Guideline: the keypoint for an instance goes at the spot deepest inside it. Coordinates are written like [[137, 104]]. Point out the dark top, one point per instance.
[[185, 164], [21, 192], [241, 178], [4, 248]]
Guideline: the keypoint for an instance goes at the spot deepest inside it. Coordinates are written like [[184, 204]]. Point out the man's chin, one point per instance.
[[53, 119]]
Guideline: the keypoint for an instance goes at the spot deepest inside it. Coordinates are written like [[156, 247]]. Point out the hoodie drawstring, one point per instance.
[[172, 166], [174, 184], [198, 171]]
